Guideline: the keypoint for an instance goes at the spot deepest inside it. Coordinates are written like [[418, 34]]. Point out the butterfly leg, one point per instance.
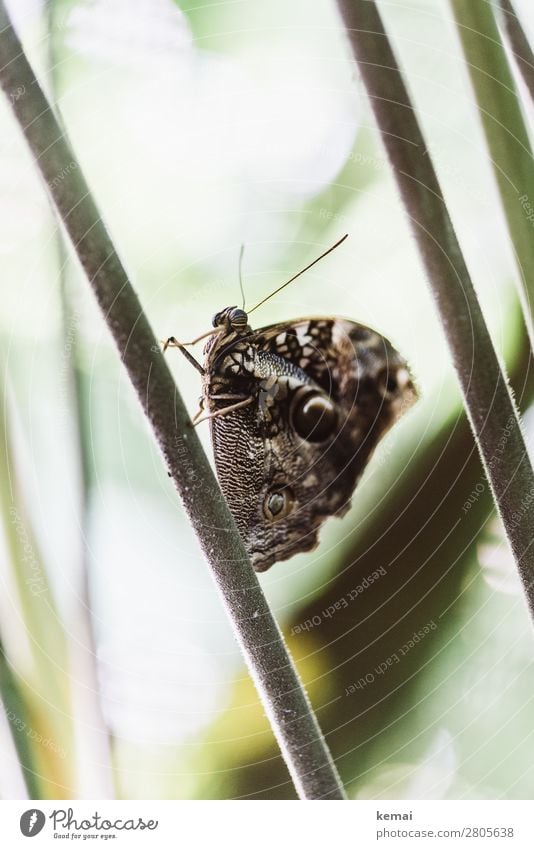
[[171, 342], [198, 413], [225, 396], [244, 402]]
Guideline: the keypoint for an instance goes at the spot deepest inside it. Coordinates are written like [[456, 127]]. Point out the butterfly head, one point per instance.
[[232, 319]]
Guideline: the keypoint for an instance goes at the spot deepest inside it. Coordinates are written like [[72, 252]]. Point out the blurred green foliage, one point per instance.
[[200, 130]]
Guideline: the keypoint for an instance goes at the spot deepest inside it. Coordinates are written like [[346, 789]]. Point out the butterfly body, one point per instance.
[[296, 410]]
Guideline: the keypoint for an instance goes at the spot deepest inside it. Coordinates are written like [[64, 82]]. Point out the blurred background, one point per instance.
[[201, 127]]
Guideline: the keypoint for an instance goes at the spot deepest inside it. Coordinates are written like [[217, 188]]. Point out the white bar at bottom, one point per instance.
[[269, 825]]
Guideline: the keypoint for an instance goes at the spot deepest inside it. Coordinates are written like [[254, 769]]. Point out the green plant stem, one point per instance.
[[487, 397], [506, 134], [292, 719], [14, 707], [520, 45], [83, 651]]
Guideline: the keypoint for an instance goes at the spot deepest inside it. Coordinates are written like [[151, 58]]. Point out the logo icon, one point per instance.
[[32, 822]]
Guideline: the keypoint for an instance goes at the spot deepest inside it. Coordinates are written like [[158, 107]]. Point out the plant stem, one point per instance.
[[487, 397], [82, 646], [520, 45], [292, 719], [506, 134], [15, 709]]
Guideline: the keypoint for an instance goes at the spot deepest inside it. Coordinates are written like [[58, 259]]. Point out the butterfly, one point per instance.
[[296, 410]]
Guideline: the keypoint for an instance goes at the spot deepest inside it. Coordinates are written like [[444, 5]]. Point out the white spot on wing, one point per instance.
[[403, 377], [302, 332]]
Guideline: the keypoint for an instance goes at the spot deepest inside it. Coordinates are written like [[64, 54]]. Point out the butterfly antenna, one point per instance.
[[337, 244], [240, 266]]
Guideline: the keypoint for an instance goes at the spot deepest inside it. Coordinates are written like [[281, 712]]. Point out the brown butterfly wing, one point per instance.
[[263, 461]]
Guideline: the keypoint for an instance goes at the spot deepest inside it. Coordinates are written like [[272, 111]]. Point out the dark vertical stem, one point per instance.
[[506, 134], [520, 45], [286, 704], [487, 397]]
